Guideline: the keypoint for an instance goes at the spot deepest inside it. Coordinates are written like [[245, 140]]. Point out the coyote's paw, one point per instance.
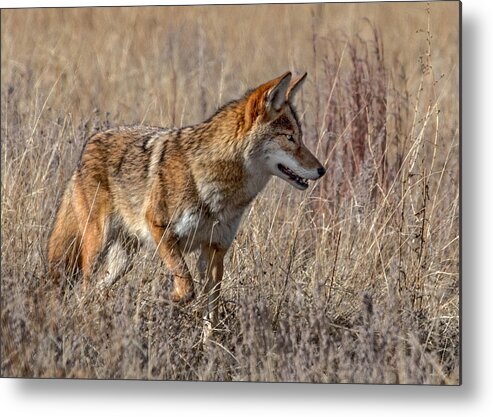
[[182, 297]]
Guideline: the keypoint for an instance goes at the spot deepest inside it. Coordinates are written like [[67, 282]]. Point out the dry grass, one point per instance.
[[356, 280]]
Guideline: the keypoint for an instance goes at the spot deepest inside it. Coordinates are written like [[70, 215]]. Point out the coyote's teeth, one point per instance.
[[299, 180]]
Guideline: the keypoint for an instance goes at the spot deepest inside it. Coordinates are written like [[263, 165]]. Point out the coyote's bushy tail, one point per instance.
[[65, 240]]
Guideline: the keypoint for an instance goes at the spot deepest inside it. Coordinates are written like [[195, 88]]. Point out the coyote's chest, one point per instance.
[[214, 219], [222, 197], [194, 228]]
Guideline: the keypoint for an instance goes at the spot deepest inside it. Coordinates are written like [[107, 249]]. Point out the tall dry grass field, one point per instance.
[[355, 280]]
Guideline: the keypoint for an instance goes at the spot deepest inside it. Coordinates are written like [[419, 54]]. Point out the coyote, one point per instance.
[[179, 189]]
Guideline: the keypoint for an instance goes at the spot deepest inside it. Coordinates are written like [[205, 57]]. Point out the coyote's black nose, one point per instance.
[[321, 171]]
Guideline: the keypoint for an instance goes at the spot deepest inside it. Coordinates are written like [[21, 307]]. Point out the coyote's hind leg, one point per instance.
[[92, 207]]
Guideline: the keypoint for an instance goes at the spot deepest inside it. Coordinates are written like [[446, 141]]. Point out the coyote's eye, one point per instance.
[[290, 138]]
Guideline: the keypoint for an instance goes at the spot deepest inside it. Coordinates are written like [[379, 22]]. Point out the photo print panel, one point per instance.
[[263, 192]]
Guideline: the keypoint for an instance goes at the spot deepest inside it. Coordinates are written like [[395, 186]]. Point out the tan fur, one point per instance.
[[180, 189]]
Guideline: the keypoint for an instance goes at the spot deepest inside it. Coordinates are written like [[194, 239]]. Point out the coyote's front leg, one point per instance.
[[211, 265], [170, 253]]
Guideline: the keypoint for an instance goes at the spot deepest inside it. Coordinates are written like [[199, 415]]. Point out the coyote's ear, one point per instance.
[[267, 100], [294, 86], [276, 96]]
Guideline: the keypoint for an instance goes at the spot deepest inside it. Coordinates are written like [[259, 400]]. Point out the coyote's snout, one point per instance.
[[179, 190]]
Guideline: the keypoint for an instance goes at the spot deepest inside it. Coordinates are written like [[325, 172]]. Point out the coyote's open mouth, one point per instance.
[[300, 182]]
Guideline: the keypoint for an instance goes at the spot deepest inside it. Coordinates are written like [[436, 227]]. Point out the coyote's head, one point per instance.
[[275, 133]]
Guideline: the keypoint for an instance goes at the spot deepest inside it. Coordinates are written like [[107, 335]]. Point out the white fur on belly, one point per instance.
[[187, 223]]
